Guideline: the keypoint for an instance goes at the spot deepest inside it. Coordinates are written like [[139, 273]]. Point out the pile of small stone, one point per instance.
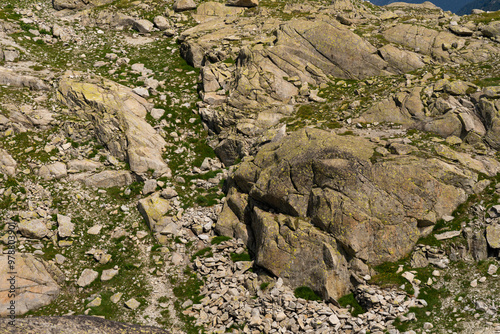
[[236, 298]]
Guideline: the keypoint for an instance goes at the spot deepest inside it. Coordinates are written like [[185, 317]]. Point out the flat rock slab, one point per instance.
[[74, 325], [448, 235], [34, 284]]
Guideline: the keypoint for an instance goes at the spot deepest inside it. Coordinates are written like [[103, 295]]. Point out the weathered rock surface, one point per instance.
[[34, 228], [73, 324], [35, 287], [153, 208], [118, 116], [9, 77], [182, 5], [371, 211], [77, 4], [109, 178], [7, 163]]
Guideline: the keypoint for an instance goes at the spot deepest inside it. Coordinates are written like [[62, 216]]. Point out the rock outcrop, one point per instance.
[[73, 324], [311, 202], [34, 281], [118, 115], [78, 4]]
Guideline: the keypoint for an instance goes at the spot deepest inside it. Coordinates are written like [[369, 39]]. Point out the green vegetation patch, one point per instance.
[[306, 293]]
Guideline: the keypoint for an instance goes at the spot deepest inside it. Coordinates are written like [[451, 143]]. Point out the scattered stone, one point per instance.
[[108, 274], [66, 227], [35, 228], [182, 5], [96, 302], [94, 230], [132, 304], [87, 277], [116, 297], [492, 269]]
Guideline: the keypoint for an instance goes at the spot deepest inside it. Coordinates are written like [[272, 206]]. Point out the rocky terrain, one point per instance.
[[248, 167]]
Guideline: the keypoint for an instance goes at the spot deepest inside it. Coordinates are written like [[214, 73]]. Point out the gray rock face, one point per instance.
[[56, 170], [118, 116], [109, 178], [74, 325], [492, 29], [11, 78], [35, 287], [371, 211]]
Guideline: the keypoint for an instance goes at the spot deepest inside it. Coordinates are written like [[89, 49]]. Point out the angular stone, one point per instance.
[[109, 178], [182, 5], [34, 228], [161, 23], [87, 277], [143, 26], [132, 304], [96, 302], [108, 274], [84, 165], [153, 208], [56, 170], [116, 297], [7, 163], [66, 227]]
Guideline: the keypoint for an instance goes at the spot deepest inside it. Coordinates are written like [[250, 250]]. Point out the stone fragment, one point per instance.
[[87, 277], [96, 302], [243, 3], [182, 5], [94, 230], [149, 187], [56, 170], [34, 228], [108, 274], [161, 23], [7, 163], [109, 178], [116, 297], [132, 304], [143, 26], [153, 208], [492, 269], [66, 227]]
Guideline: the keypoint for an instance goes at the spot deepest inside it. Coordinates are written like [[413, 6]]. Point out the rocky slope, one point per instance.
[[253, 167]]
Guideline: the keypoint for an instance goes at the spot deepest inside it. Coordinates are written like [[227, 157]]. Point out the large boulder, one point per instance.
[[10, 78], [109, 178], [314, 185], [34, 281], [118, 115], [7, 163], [78, 4]]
